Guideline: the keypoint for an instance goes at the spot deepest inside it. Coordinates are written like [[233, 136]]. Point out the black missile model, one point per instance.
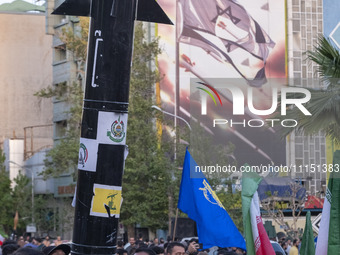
[[105, 112]]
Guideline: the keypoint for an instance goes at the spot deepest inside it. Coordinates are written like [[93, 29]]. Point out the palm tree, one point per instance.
[[325, 102]]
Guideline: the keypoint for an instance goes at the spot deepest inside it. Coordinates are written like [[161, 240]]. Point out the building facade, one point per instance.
[[26, 119], [25, 64]]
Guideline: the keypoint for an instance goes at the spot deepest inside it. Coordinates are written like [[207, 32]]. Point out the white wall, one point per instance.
[[14, 151]]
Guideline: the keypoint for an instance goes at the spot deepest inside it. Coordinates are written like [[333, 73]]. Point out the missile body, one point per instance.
[[104, 123], [102, 149]]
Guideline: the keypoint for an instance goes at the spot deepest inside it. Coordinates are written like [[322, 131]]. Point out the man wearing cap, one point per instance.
[[62, 249]]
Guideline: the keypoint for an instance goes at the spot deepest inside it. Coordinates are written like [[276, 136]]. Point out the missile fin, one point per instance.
[[74, 8], [149, 10]]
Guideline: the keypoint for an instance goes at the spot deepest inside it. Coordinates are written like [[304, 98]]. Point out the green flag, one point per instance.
[[250, 183], [257, 240], [307, 244], [329, 232], [334, 220]]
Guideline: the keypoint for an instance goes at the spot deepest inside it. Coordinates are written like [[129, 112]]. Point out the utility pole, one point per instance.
[[105, 113]]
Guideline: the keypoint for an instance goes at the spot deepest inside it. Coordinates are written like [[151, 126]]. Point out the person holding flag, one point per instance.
[[256, 236], [199, 201]]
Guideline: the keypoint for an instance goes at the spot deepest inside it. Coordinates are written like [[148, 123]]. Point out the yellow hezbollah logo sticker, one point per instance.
[[106, 201]]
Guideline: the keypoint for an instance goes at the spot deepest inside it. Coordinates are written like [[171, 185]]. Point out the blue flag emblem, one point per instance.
[[199, 201]]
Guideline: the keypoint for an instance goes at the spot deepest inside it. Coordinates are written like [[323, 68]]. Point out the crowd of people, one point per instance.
[[290, 248], [34, 246], [161, 247], [38, 246]]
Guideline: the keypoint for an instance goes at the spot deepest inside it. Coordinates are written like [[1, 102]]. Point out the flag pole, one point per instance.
[[177, 79], [175, 226], [176, 108]]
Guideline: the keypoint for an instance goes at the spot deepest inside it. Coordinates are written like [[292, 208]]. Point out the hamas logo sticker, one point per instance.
[[117, 132], [83, 155]]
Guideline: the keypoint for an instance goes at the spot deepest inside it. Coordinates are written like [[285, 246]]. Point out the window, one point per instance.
[[60, 53]]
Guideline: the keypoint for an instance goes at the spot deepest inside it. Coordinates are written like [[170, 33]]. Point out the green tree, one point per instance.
[[14, 199], [232, 202], [6, 208], [63, 157], [57, 214], [28, 212], [146, 175], [325, 102], [22, 200], [75, 38]]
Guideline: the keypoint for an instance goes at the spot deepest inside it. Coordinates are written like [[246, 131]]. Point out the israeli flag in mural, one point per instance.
[[226, 31]]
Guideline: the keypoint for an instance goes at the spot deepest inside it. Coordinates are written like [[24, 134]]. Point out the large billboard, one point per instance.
[[231, 42]]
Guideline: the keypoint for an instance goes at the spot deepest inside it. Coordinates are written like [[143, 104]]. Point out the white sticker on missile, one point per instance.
[[88, 154], [112, 128]]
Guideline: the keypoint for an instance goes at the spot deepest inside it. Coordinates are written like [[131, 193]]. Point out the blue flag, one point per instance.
[[199, 201]]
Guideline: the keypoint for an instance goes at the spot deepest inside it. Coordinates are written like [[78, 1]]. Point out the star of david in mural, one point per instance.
[[228, 12]]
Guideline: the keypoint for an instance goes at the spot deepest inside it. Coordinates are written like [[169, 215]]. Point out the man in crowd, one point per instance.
[[130, 244], [9, 247], [155, 241], [289, 245], [58, 241], [21, 241], [120, 245], [47, 241], [27, 251], [62, 249], [38, 242], [295, 250], [161, 242], [158, 250], [121, 252], [175, 248], [144, 251], [284, 246]]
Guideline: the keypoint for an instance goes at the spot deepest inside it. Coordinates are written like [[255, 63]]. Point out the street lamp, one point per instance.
[[178, 117], [173, 115], [32, 180]]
